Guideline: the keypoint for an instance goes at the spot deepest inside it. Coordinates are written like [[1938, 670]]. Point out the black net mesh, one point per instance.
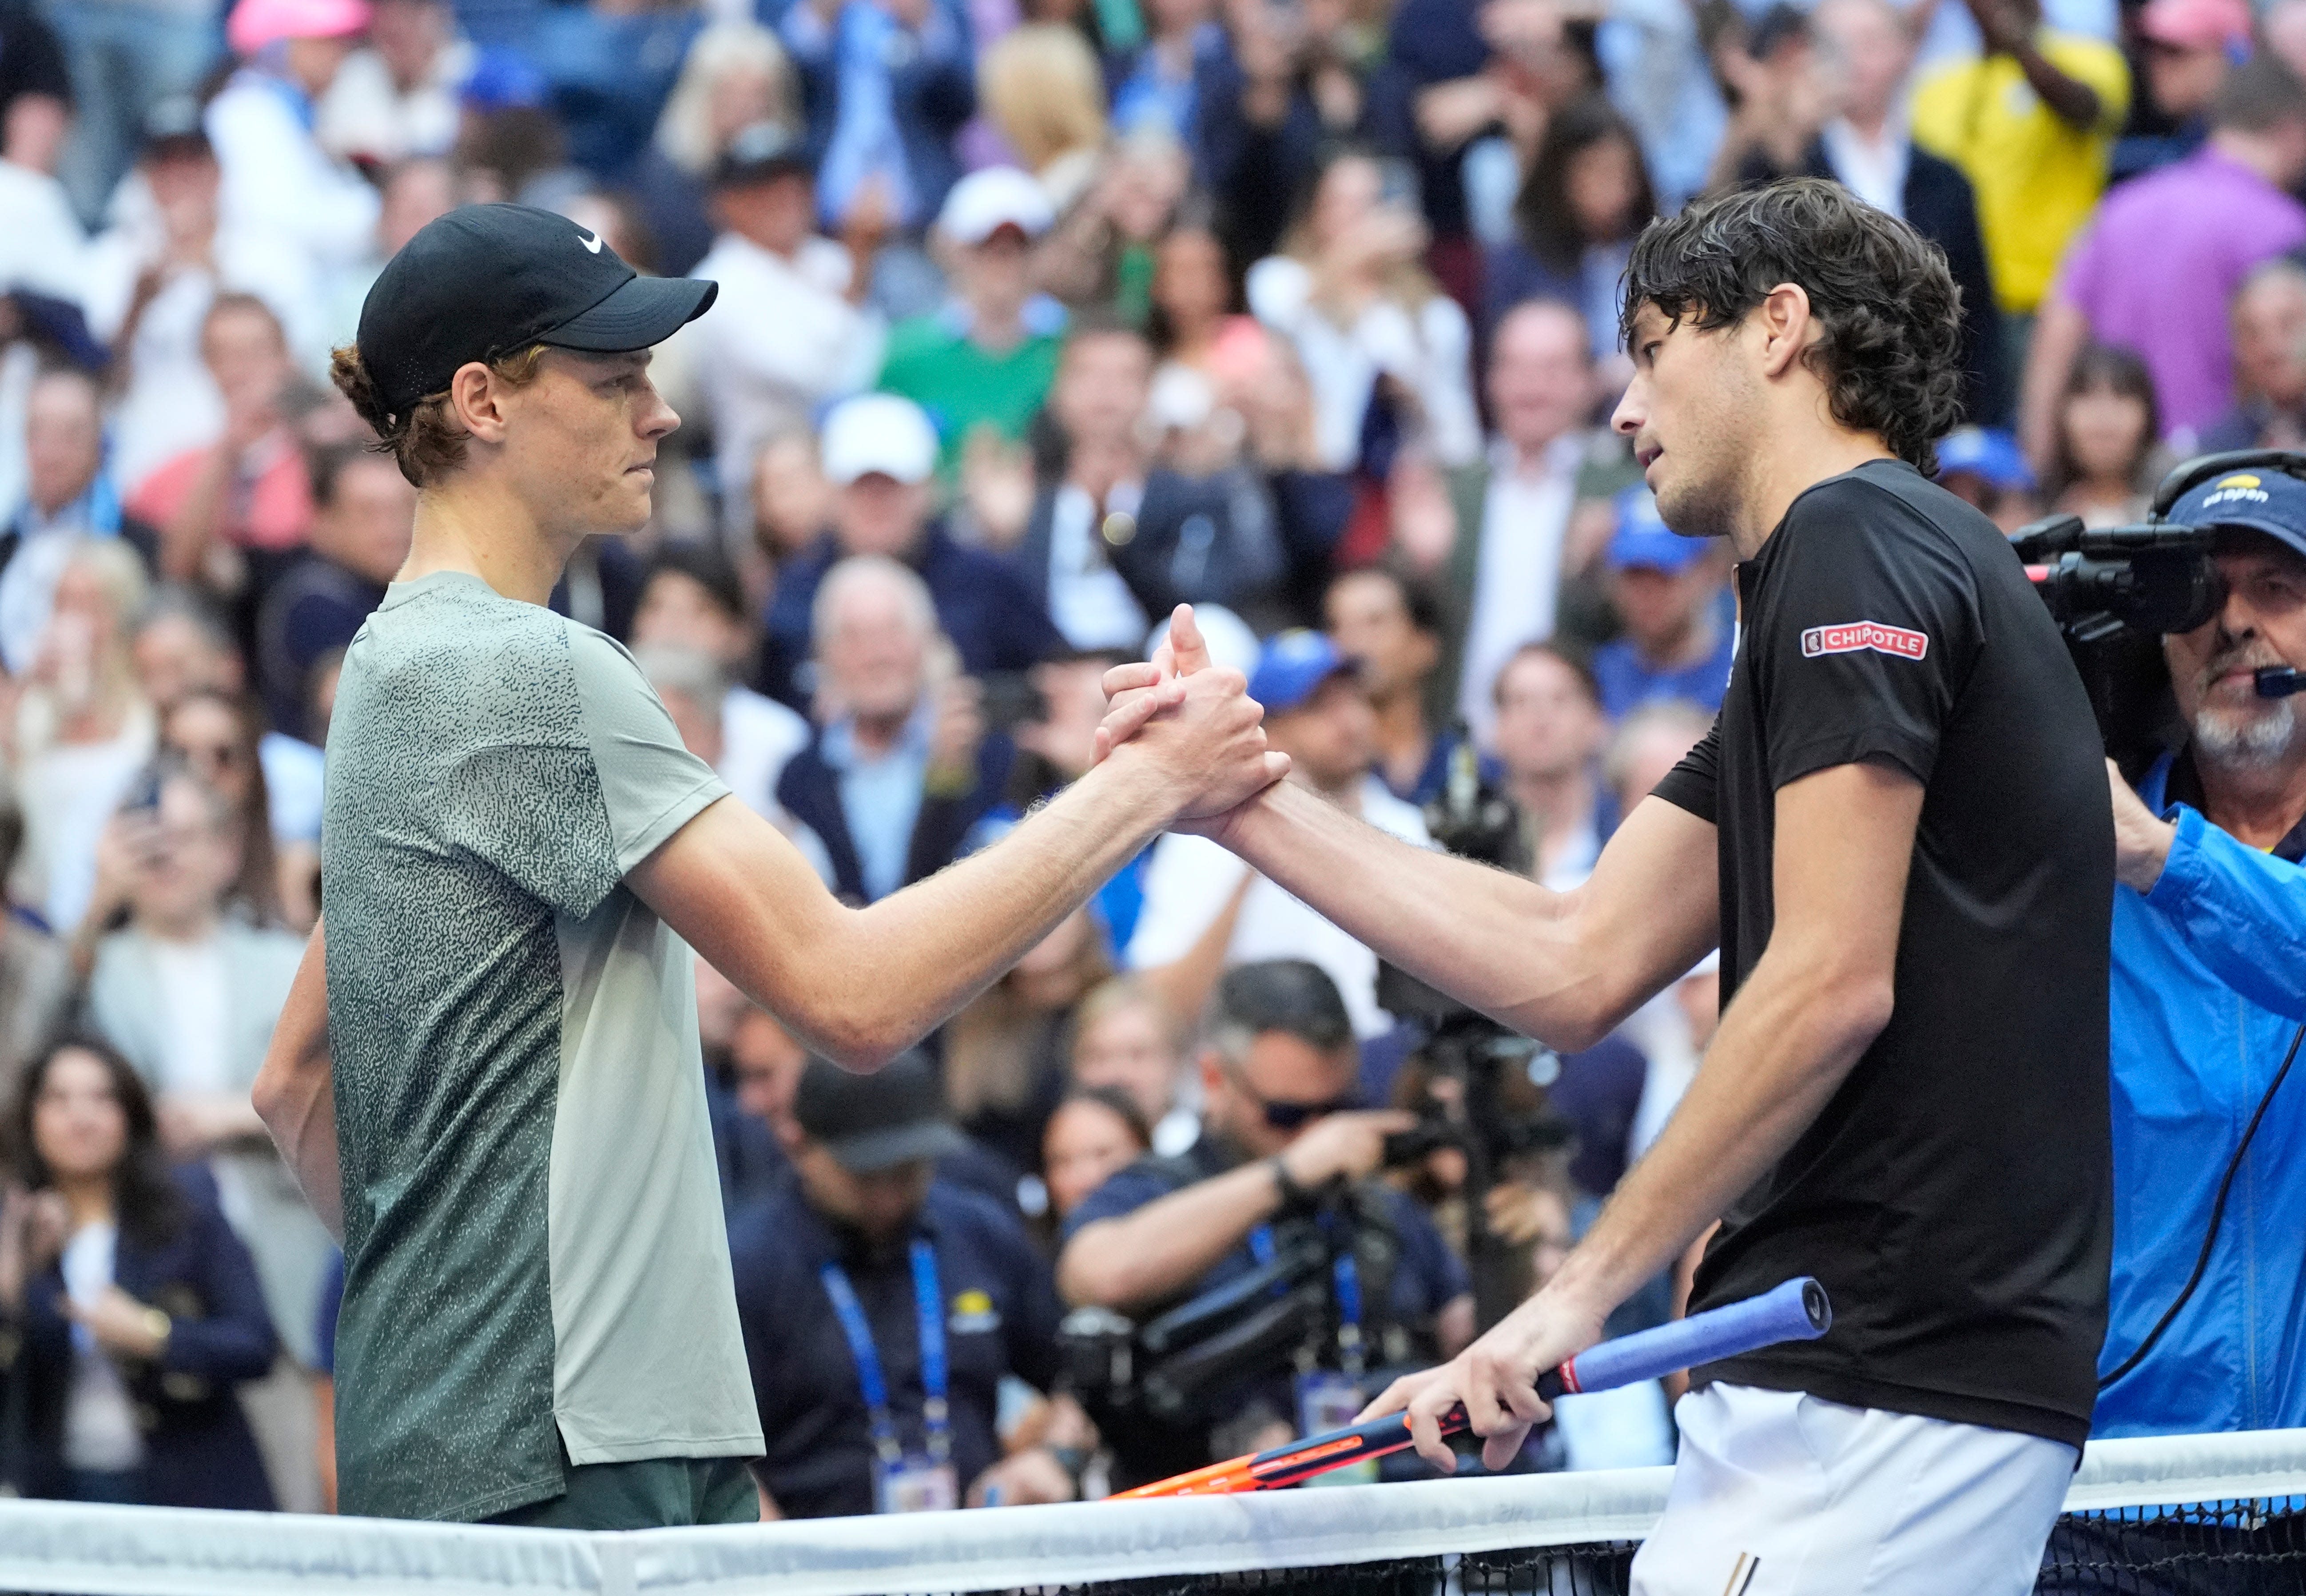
[[2226, 1548], [2223, 1548]]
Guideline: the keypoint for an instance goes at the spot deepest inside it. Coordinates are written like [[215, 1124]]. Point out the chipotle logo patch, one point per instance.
[[1857, 635]]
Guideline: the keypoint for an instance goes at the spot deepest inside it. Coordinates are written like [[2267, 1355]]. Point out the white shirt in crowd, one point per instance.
[[1190, 879], [366, 114], [195, 993], [277, 180], [40, 247], [1088, 602], [27, 588], [1517, 572], [67, 791], [292, 783], [781, 339], [100, 1432], [1874, 169], [1428, 350], [758, 736], [171, 403]]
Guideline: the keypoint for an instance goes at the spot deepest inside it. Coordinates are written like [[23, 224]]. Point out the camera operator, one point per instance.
[[2209, 990], [1278, 1072]]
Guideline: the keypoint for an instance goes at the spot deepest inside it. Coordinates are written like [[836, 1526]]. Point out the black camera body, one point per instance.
[[1484, 1083], [2115, 591], [1183, 1364]]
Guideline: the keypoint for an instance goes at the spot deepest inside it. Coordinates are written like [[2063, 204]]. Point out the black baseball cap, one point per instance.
[[872, 1123], [759, 153], [488, 280]]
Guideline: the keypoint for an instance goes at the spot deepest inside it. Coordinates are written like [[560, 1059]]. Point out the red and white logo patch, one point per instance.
[[1858, 636]]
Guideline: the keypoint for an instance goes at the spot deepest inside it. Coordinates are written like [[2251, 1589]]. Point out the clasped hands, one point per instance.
[[1196, 726]]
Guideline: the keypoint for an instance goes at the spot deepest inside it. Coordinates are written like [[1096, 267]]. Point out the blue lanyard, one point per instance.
[[928, 1304], [1346, 1275]]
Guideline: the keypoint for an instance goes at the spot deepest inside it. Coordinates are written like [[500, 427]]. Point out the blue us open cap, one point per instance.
[[1642, 540], [2254, 498], [1984, 452], [1293, 667]]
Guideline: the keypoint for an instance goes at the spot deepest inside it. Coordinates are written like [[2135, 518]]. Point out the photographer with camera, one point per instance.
[[2208, 1299], [1285, 1159]]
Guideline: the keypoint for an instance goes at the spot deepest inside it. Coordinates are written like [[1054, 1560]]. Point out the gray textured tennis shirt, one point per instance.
[[534, 1254]]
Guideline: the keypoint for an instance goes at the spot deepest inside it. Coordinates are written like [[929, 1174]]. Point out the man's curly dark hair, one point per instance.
[[1891, 316]]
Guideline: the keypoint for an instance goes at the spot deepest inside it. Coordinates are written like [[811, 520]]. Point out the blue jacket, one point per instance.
[[199, 1451], [2209, 986]]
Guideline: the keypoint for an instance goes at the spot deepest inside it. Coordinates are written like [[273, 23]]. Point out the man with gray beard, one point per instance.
[[2208, 995]]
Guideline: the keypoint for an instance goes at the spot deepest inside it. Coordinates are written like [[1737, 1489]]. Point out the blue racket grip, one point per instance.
[[1796, 1310]]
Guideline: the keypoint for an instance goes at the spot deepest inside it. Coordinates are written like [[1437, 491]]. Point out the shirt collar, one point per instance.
[[2184, 785], [839, 747], [1560, 457]]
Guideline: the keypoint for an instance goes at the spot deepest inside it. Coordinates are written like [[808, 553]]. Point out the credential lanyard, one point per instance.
[[1346, 1275], [928, 1304]]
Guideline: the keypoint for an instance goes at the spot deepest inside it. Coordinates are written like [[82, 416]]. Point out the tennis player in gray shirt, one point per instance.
[[487, 1075]]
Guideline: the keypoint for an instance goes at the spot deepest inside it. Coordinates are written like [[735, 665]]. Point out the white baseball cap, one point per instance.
[[984, 203], [879, 433]]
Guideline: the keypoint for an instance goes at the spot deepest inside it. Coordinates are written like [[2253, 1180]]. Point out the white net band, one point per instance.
[[150, 1551]]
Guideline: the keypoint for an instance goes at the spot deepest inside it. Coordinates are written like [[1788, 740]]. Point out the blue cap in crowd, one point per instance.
[[1642, 540], [1293, 667], [1985, 452], [2256, 499]]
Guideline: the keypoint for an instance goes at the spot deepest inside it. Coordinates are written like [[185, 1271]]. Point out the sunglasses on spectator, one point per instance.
[[1281, 1114]]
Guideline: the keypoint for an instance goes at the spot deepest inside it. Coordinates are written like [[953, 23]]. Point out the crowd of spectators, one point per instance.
[[1036, 318]]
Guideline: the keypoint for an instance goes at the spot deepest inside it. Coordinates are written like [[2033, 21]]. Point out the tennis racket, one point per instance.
[[1796, 1310]]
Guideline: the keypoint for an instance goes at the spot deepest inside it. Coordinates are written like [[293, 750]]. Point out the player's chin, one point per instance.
[[633, 502]]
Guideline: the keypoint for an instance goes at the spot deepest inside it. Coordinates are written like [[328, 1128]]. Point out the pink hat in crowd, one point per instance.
[[256, 24], [2196, 24]]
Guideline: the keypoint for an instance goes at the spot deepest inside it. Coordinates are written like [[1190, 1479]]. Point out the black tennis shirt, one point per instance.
[[1954, 1194]]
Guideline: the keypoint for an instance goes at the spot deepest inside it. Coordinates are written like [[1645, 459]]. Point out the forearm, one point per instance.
[[874, 981], [1783, 1049], [295, 1094], [2072, 101], [2059, 334], [1564, 967], [1168, 1243]]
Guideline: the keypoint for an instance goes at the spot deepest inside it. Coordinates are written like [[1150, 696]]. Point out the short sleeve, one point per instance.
[[1124, 1192], [651, 784], [1695, 783], [1862, 651], [584, 779]]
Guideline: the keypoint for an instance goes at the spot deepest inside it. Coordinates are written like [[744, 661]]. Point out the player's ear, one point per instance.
[[477, 395], [1787, 327]]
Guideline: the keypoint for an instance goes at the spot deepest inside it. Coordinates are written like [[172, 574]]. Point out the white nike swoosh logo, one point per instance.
[[591, 242]]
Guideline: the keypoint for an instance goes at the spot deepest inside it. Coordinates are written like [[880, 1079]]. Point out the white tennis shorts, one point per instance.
[[1780, 1494]]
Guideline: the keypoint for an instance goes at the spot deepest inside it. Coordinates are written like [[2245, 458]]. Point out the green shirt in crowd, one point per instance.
[[536, 1272], [933, 364]]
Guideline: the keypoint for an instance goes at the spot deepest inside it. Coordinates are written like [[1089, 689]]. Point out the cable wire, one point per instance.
[[2217, 1217]]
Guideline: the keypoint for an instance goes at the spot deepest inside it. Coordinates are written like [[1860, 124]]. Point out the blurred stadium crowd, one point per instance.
[[1037, 317]]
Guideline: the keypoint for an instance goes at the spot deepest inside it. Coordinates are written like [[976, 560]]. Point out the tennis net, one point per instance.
[[2193, 1515]]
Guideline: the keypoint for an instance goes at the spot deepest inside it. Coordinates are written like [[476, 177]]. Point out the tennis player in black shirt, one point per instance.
[[1897, 835]]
